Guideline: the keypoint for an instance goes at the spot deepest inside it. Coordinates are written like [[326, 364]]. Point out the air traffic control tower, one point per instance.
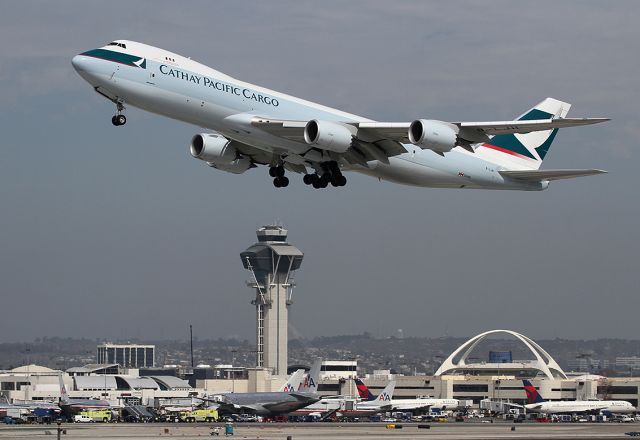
[[271, 262]]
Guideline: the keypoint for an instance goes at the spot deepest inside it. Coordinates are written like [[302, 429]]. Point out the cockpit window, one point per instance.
[[113, 43]]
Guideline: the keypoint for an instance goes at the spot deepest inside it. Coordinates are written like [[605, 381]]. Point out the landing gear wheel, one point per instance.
[[307, 179], [279, 170], [341, 180], [272, 171], [118, 120], [281, 182]]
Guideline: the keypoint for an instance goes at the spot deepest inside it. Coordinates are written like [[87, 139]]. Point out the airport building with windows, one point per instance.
[[127, 355]]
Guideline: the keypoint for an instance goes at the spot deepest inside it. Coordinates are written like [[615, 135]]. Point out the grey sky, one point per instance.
[[118, 233]]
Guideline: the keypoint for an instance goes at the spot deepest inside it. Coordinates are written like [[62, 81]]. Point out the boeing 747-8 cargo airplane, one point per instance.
[[251, 125]]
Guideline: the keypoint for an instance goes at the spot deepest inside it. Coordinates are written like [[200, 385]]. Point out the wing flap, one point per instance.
[[293, 130], [542, 175]]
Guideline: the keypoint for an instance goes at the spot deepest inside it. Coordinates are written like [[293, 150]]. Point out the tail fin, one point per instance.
[[387, 393], [63, 390], [293, 382], [532, 394], [363, 391], [528, 150], [310, 383]]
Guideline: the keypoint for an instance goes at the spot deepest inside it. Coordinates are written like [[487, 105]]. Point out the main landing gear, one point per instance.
[[119, 119], [329, 174], [279, 179]]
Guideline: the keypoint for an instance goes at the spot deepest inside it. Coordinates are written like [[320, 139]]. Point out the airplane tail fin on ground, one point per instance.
[[63, 390], [532, 394], [386, 394], [293, 382], [528, 150], [310, 382], [363, 391]]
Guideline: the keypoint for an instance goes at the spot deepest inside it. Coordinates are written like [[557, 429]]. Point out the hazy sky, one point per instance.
[[118, 233]]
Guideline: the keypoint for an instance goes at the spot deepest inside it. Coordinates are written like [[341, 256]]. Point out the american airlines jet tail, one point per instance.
[[250, 126]]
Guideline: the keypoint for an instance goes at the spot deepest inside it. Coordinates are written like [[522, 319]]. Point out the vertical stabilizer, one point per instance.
[[533, 396], [526, 150], [293, 382], [386, 394], [64, 397], [310, 382], [363, 391]]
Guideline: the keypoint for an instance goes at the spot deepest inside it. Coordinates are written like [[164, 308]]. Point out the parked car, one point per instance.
[[82, 418]]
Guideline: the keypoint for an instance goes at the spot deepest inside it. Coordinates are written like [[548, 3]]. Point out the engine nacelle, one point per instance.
[[435, 135], [328, 135], [218, 152]]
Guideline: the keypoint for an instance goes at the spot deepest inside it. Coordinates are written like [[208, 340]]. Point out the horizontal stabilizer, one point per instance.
[[541, 175]]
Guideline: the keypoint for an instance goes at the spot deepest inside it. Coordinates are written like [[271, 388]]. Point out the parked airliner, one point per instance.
[[251, 125], [419, 404], [536, 403]]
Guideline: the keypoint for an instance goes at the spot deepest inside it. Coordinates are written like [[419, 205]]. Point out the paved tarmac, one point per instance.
[[306, 431]]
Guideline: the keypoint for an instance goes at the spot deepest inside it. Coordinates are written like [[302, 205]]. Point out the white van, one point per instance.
[[81, 418]]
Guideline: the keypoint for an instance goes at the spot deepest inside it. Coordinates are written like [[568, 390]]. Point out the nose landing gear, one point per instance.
[[119, 119]]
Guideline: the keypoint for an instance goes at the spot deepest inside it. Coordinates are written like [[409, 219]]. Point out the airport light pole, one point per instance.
[[233, 373]]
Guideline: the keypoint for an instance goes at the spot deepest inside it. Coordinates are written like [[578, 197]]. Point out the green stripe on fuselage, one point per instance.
[[116, 57]]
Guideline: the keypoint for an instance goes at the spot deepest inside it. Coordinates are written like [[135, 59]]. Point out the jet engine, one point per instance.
[[328, 135], [435, 135], [218, 152]]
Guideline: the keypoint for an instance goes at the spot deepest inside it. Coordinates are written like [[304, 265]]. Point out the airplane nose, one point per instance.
[[78, 62]]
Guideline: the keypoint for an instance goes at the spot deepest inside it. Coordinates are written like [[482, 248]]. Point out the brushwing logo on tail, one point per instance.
[[513, 144], [532, 146]]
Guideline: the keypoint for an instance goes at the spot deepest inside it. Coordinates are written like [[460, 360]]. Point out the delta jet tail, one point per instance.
[[250, 125], [536, 403]]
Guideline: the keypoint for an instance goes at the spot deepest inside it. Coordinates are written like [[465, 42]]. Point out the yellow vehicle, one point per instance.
[[100, 415], [199, 415]]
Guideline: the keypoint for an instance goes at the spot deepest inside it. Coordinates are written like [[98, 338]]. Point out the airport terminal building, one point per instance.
[[458, 377]]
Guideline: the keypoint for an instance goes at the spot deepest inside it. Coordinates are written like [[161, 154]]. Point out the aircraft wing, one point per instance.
[[381, 140], [542, 175], [469, 130], [368, 144]]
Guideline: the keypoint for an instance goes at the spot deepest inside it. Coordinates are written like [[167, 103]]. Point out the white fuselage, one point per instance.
[[423, 403], [168, 84], [581, 406]]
